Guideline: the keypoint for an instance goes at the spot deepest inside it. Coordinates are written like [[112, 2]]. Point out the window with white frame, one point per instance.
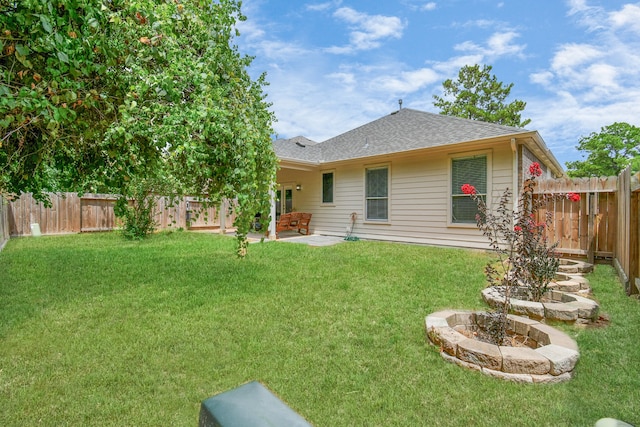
[[377, 193], [327, 187], [467, 170]]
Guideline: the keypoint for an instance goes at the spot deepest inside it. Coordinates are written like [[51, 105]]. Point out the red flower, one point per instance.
[[468, 189], [535, 169], [517, 228], [574, 197]]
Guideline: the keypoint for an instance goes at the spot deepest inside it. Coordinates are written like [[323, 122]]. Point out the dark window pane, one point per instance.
[[327, 187], [377, 182], [473, 171], [470, 170], [377, 209], [377, 194], [464, 210]]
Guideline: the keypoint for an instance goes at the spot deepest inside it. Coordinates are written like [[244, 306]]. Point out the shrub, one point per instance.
[[525, 259], [137, 212]]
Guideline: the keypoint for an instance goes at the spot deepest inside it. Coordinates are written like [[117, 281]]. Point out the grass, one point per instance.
[[98, 331]]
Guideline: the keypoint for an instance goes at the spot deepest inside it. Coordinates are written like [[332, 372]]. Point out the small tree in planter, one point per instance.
[[525, 260]]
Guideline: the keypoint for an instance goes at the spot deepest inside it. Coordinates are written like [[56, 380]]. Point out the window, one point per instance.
[[327, 187], [377, 193], [467, 170]]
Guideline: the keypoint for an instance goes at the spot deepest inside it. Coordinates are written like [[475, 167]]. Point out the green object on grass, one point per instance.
[[251, 404]]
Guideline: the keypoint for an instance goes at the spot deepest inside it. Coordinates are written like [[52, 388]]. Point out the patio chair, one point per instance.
[[284, 223], [295, 217], [303, 223]]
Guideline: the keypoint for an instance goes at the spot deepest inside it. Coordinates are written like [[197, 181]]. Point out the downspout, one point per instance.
[[514, 149]]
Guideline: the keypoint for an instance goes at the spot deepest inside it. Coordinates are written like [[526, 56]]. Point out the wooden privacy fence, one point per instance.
[[627, 260], [588, 227], [70, 213], [604, 224]]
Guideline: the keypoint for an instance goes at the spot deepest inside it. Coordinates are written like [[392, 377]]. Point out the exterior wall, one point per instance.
[[525, 159], [419, 198]]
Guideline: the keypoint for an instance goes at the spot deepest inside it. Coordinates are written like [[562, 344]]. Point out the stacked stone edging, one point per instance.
[[571, 282], [553, 359], [574, 266], [563, 306]]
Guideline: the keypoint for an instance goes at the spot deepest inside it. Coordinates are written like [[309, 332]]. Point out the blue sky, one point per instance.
[[335, 65]]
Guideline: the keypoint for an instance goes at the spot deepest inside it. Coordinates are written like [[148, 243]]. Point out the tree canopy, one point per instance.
[[478, 95], [52, 98], [609, 152], [103, 95]]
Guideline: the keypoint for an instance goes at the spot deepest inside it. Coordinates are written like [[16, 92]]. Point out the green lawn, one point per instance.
[[95, 330]]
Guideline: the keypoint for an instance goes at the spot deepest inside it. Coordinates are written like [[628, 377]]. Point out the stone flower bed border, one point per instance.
[[574, 266], [571, 282], [564, 306], [552, 361]]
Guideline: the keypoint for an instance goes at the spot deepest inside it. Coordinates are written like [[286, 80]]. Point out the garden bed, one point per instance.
[[549, 355]]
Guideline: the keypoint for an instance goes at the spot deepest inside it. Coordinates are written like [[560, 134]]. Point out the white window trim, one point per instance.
[[456, 156], [322, 202], [364, 189]]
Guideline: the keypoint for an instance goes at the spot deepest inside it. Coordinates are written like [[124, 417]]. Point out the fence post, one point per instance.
[[634, 242], [591, 221], [4, 222]]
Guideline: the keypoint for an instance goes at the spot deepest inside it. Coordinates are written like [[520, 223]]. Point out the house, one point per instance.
[[401, 176]]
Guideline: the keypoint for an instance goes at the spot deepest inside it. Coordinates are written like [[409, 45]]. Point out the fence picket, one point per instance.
[[70, 213]]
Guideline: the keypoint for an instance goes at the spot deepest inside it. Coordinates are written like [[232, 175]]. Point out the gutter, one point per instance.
[[540, 148]]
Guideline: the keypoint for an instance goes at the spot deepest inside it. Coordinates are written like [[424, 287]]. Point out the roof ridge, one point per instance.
[[402, 130]]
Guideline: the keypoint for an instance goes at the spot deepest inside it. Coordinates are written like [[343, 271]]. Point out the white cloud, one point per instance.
[[367, 31], [428, 6], [407, 82], [570, 56], [569, 66], [250, 30], [576, 6], [588, 16], [319, 7], [628, 18], [543, 78], [594, 83], [477, 23], [589, 82], [275, 49], [499, 44], [563, 119], [348, 80]]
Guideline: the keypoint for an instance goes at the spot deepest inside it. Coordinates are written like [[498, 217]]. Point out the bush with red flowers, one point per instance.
[[524, 256]]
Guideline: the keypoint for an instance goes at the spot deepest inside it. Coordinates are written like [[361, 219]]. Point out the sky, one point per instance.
[[338, 64]]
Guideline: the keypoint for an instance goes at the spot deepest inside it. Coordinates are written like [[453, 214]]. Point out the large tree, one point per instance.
[[478, 95], [609, 152], [115, 95], [53, 103]]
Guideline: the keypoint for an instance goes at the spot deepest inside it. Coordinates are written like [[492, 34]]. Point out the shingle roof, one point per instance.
[[298, 148], [403, 130]]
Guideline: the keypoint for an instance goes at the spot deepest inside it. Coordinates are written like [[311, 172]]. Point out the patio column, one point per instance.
[[272, 215], [222, 214]]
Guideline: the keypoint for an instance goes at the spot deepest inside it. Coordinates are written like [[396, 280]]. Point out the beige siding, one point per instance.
[[419, 198]]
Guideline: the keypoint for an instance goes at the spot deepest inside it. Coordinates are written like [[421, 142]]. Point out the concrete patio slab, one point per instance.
[[295, 237]]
